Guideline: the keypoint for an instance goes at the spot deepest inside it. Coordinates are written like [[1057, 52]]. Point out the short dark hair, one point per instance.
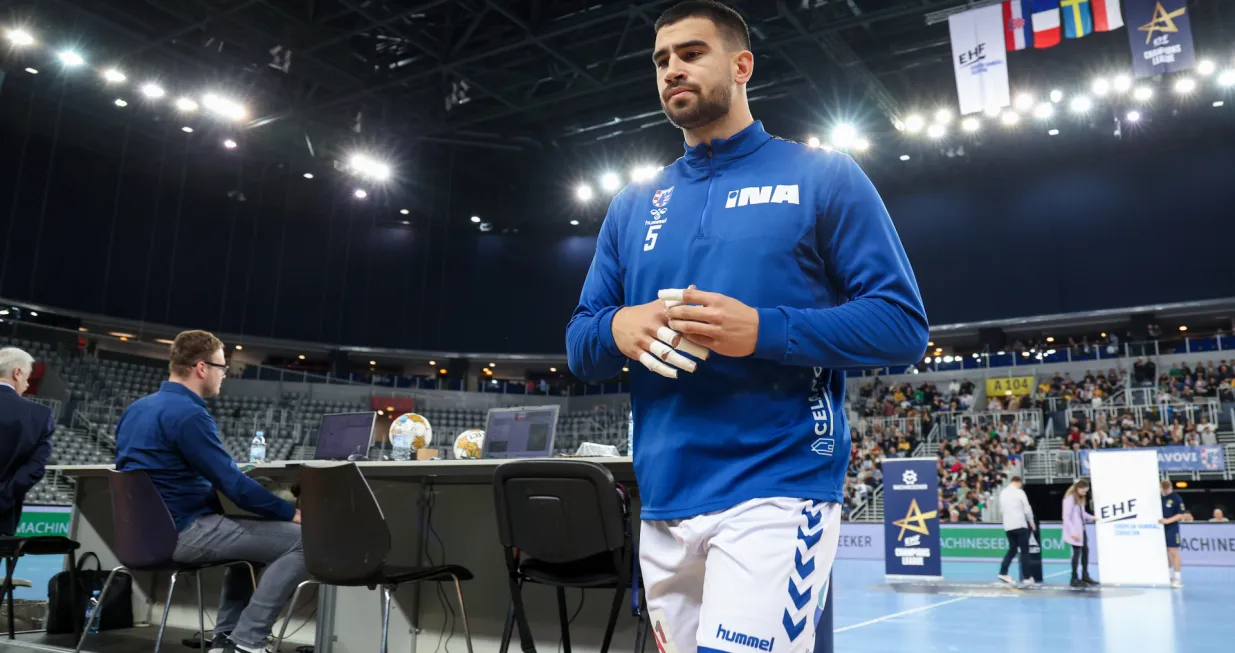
[[728, 22], [190, 348], [1016, 479]]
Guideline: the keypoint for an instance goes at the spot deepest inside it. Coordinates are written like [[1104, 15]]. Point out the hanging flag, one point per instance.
[[1077, 21], [1017, 32], [1106, 15], [980, 59], [1045, 21], [1160, 35]]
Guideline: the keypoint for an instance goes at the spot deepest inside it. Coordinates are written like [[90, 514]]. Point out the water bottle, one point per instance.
[[400, 445], [91, 607], [257, 451]]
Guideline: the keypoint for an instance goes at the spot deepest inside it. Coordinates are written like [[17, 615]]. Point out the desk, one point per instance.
[[435, 509]]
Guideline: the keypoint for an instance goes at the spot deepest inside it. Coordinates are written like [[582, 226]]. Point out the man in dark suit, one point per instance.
[[25, 437]]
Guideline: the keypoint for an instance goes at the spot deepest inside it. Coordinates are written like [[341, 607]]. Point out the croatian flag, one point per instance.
[[1017, 32], [1045, 19], [1107, 15]]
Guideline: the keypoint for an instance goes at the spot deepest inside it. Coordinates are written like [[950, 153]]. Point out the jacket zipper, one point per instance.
[[707, 200]]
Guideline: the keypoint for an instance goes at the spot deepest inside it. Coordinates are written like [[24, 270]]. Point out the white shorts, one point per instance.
[[745, 579]]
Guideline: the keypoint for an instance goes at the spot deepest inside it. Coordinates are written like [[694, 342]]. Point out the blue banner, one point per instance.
[[1205, 458], [911, 517], [1160, 35]]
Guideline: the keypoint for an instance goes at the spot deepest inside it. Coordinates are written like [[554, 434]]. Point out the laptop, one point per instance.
[[524, 432], [345, 436]]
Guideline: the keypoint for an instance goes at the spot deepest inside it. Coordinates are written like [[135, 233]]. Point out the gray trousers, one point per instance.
[[247, 614]]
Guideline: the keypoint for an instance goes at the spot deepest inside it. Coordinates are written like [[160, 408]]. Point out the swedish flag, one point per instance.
[[1077, 18]]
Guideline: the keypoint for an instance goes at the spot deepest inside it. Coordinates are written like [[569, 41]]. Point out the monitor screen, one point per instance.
[[520, 432], [344, 434]]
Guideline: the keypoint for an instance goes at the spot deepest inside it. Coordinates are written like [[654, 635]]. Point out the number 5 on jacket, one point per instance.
[[649, 243]]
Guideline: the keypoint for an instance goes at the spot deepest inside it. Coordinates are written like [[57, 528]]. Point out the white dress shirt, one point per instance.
[[1014, 506]]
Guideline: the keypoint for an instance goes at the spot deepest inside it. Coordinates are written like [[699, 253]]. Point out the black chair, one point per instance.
[[146, 541], [12, 548], [563, 523], [347, 541]]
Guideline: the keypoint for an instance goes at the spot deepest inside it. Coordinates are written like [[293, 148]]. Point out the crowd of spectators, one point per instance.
[[1214, 379], [975, 466], [1121, 431], [924, 401]]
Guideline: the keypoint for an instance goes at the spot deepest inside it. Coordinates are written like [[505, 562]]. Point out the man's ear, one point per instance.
[[743, 66]]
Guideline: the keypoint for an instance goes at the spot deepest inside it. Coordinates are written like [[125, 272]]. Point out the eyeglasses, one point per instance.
[[221, 366]]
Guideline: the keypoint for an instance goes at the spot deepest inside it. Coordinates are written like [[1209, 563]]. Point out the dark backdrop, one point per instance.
[[138, 220]]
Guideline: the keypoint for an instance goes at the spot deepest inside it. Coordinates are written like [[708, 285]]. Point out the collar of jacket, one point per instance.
[[724, 151]]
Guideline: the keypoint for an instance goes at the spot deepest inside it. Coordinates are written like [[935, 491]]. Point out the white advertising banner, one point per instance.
[[980, 59], [1127, 506]]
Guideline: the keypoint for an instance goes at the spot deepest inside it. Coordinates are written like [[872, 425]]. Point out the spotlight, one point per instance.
[[1185, 85], [476, 219], [404, 211], [1133, 116], [904, 157], [308, 175], [574, 223], [113, 75], [360, 193], [1044, 111], [1053, 132], [1227, 78], [366, 166], [153, 91], [1101, 86], [813, 141], [936, 131], [1143, 93], [1122, 83], [187, 129], [1056, 96], [943, 116], [20, 37], [405, 223], [1219, 103], [32, 71], [861, 144], [914, 124], [120, 102], [1010, 118], [843, 135], [223, 107], [642, 173], [1024, 102], [584, 193], [229, 144], [1081, 104], [1206, 67], [610, 181], [186, 105], [971, 124], [70, 58]]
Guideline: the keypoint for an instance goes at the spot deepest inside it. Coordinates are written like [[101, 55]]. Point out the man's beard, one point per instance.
[[706, 110]]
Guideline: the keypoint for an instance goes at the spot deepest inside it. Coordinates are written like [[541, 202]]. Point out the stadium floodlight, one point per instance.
[[32, 71], [404, 212], [1219, 103], [121, 102], [971, 124], [308, 175], [610, 181], [1044, 111], [187, 129], [20, 37], [1024, 102], [1053, 132], [843, 135], [914, 123], [153, 91], [1227, 78], [1143, 93], [361, 193], [476, 219], [1121, 83], [993, 111], [1056, 96], [943, 116], [1206, 67], [936, 131], [861, 144], [223, 107], [367, 166], [186, 105], [1133, 116], [584, 193], [114, 76], [1101, 87], [1185, 85], [813, 141], [229, 144], [643, 173], [904, 157], [1081, 104], [574, 223], [70, 58], [1010, 118]]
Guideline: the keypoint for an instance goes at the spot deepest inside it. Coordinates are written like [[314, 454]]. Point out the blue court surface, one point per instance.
[[971, 611]]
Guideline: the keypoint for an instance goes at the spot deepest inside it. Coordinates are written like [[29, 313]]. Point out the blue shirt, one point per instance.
[[801, 235], [170, 436], [1172, 505]]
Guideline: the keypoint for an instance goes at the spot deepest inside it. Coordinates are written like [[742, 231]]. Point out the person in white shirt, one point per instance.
[[1218, 516], [1018, 522]]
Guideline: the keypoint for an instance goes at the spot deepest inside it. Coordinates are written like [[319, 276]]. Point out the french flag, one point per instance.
[[1018, 34], [1106, 15], [1045, 20]]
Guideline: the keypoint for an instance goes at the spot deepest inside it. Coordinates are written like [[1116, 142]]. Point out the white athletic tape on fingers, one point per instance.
[[652, 363], [668, 336], [673, 294], [670, 303], [698, 351], [666, 353]]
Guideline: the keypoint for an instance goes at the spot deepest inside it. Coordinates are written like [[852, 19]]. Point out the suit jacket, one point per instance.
[[25, 445]]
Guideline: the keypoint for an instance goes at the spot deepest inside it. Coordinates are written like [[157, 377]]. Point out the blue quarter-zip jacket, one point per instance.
[[799, 234]]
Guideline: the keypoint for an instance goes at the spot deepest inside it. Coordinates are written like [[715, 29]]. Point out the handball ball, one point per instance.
[[469, 444], [413, 425]]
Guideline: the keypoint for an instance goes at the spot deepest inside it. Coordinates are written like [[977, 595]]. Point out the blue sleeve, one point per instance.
[[590, 350], [198, 441], [882, 320]]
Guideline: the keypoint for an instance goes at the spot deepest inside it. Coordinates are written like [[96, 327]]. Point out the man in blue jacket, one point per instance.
[[170, 436], [26, 431], [800, 276]]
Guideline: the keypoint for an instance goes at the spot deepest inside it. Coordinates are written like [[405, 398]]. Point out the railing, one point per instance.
[[870, 510], [1065, 466], [56, 406], [1031, 419], [904, 425]]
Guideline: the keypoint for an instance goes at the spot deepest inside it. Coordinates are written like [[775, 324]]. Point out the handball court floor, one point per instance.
[[971, 611]]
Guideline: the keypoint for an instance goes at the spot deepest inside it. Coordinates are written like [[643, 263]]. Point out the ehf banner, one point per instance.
[[1205, 458], [980, 59], [1127, 507], [1160, 35], [911, 517]]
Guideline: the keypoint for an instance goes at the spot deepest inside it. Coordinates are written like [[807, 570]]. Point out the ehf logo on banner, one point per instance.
[[1160, 35], [911, 522]]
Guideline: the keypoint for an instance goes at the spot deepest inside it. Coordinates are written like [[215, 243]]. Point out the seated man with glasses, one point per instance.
[[170, 436]]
